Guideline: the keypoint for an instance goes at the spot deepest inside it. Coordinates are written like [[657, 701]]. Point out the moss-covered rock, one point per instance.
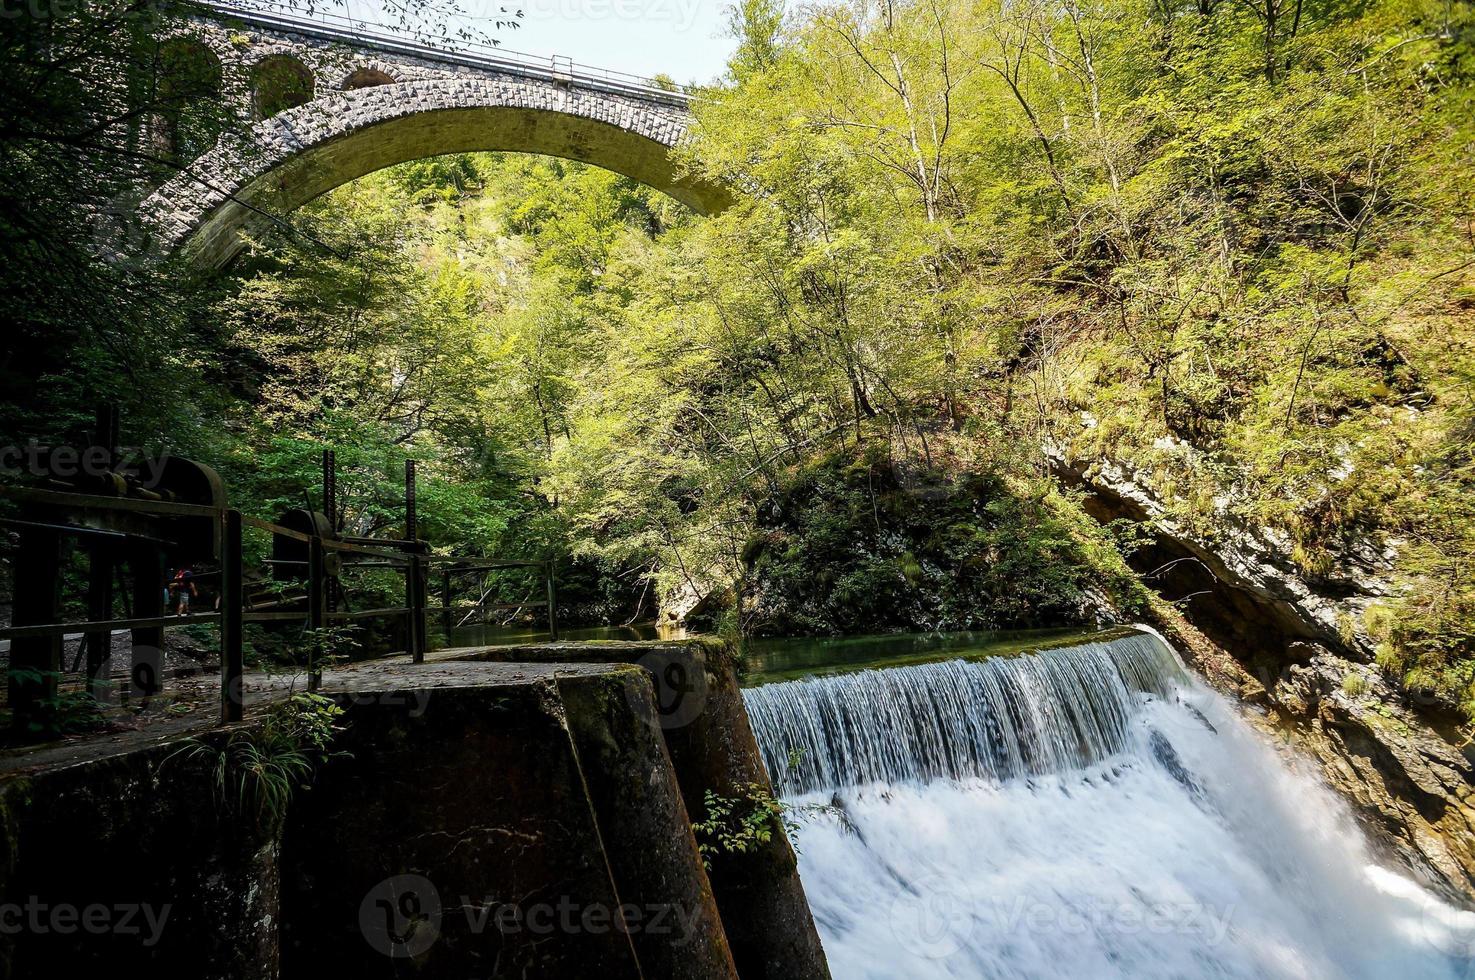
[[856, 543]]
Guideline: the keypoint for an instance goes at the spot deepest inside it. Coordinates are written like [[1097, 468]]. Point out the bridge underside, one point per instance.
[[304, 152]]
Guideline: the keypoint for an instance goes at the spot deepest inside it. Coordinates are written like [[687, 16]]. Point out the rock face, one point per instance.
[[1412, 788], [1246, 570], [1258, 629]]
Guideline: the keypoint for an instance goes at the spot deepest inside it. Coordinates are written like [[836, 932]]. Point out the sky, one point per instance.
[[681, 38]]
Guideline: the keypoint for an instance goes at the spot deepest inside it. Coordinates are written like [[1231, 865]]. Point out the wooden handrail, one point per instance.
[[137, 505], [285, 532], [98, 625], [233, 612]]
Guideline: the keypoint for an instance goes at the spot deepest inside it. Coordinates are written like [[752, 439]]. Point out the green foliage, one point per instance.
[[329, 646], [67, 712], [855, 545], [83, 330], [757, 25], [1236, 260], [106, 100], [426, 331], [1234, 254], [256, 771], [740, 824]]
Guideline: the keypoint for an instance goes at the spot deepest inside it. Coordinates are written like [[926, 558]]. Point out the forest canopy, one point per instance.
[[1228, 244]]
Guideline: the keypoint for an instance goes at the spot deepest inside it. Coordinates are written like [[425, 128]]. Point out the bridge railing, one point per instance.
[[380, 37]]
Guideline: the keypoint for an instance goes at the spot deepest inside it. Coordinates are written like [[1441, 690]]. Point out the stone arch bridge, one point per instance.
[[325, 103]]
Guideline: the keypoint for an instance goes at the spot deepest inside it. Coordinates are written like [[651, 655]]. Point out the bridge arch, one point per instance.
[[302, 152]]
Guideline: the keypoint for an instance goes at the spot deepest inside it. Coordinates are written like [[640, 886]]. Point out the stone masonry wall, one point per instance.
[[427, 107]]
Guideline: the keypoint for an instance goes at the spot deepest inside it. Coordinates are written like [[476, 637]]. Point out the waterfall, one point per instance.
[[1001, 718], [1091, 811]]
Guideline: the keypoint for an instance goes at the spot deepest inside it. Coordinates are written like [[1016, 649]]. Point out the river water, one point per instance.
[[1090, 811]]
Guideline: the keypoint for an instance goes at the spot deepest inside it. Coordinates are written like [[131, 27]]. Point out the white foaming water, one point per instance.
[[1091, 812]]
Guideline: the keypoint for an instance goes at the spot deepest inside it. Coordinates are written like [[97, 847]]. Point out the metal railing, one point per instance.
[[383, 38], [312, 608]]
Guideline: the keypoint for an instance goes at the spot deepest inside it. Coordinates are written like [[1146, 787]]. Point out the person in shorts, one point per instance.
[[181, 590]]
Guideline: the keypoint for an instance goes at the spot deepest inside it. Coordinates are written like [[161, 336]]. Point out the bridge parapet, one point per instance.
[[342, 54]]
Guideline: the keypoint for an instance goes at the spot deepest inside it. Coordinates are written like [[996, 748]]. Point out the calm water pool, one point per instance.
[[771, 660]]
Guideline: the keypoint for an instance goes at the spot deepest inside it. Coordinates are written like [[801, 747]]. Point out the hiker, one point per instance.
[[181, 589]]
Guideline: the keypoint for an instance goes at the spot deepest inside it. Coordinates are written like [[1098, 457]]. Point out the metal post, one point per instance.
[[107, 432], [100, 569], [232, 613], [414, 572], [99, 607], [330, 512], [147, 564], [330, 488], [552, 600], [422, 596], [445, 600], [36, 601], [317, 609], [415, 600], [412, 525]]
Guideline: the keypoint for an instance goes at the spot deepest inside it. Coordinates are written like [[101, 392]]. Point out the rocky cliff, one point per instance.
[[1298, 651]]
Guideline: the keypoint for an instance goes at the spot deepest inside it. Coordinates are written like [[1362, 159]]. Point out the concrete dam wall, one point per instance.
[[479, 816]]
